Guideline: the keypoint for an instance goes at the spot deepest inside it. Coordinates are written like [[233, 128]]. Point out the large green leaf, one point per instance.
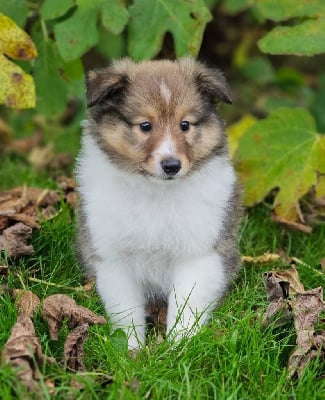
[[78, 34], [51, 89], [115, 16], [305, 39], [282, 151], [54, 9], [16, 10], [151, 19], [286, 9]]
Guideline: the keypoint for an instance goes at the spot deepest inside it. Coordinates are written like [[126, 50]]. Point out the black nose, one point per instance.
[[171, 166]]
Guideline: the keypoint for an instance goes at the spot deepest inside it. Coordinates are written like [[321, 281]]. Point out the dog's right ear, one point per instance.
[[105, 84]]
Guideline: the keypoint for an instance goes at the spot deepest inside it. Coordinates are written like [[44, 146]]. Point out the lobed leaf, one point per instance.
[[152, 19], [52, 90], [77, 34], [286, 9], [304, 39], [115, 16], [282, 151], [54, 9]]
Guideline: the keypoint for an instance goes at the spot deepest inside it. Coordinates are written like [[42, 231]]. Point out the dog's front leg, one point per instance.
[[124, 301], [198, 284]]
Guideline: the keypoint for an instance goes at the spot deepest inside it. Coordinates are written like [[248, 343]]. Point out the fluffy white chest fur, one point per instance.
[[155, 234]]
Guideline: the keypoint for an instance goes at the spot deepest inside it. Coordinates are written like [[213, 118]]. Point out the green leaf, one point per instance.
[[235, 6], [305, 39], [77, 34], [54, 9], [286, 9], [282, 151], [51, 89], [151, 19], [111, 46], [16, 10], [114, 16], [259, 70]]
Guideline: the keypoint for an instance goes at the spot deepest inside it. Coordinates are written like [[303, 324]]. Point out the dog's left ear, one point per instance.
[[213, 84]]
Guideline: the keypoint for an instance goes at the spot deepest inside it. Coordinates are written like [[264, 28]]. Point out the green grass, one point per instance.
[[233, 357]]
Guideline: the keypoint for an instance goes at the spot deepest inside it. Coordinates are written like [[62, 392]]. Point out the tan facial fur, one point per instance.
[[163, 94]]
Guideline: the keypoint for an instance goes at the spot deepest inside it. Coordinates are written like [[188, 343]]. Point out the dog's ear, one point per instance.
[[212, 84], [106, 84]]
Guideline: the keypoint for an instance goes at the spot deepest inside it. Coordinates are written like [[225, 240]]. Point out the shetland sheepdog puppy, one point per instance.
[[159, 200]]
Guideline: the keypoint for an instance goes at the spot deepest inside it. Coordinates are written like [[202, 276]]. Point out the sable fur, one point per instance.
[[143, 233]]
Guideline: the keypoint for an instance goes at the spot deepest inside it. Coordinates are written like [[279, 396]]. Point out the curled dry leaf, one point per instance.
[[291, 276], [26, 301], [73, 354], [304, 307], [59, 306], [264, 258], [277, 294], [307, 307], [23, 352], [14, 240]]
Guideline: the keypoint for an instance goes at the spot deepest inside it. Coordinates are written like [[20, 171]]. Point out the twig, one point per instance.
[[58, 285]]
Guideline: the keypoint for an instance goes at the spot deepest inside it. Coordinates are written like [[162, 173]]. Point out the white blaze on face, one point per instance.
[[166, 149], [165, 92]]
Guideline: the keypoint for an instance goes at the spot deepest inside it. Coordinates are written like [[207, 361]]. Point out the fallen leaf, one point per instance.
[[73, 354], [264, 258], [304, 307], [26, 302], [291, 276], [66, 183], [39, 157], [57, 307], [14, 240], [25, 145], [307, 307], [23, 352]]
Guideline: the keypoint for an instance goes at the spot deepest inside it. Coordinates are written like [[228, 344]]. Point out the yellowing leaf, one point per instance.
[[14, 42], [236, 131], [17, 88], [282, 151]]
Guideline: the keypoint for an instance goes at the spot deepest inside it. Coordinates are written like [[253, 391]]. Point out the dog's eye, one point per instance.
[[146, 126], [185, 126]]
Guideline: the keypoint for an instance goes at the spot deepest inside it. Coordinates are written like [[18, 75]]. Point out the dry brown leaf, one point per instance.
[[291, 276], [73, 354], [57, 307], [23, 352], [25, 145], [40, 156], [306, 309], [264, 258], [26, 301], [14, 240]]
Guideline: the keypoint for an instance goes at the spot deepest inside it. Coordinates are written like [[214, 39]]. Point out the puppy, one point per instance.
[[160, 204]]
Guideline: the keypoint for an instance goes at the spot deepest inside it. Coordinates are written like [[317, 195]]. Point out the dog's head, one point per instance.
[[158, 118]]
